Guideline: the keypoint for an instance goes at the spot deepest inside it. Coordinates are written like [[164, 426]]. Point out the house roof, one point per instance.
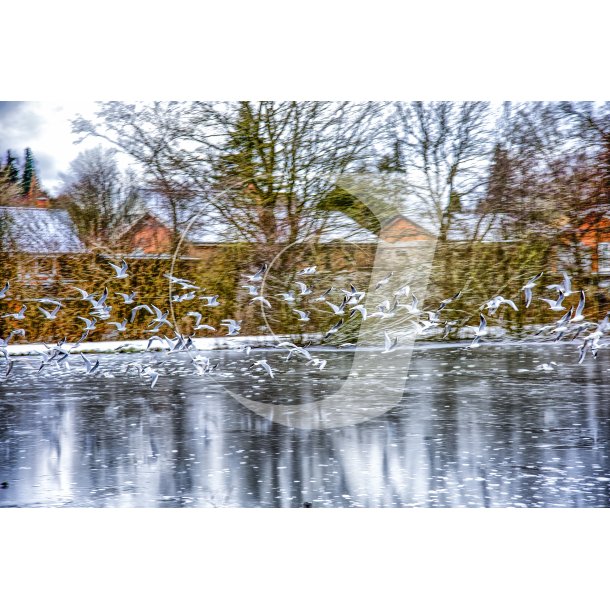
[[468, 226], [39, 231], [214, 229], [465, 226]]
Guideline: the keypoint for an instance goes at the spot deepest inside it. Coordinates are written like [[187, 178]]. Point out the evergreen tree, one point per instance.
[[10, 171], [28, 177]]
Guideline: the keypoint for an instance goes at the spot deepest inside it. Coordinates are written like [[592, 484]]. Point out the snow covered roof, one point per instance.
[[212, 228], [39, 231], [336, 226], [465, 226], [468, 226]]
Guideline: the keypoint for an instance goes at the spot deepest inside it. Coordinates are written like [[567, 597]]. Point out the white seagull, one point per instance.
[[308, 271], [127, 298], [121, 272], [494, 303], [86, 296], [120, 326], [198, 325], [390, 344], [361, 309], [527, 288], [565, 286], [288, 296], [303, 315], [265, 365], [212, 301], [384, 281], [50, 315], [555, 305], [262, 300], [480, 332], [91, 368], [89, 324], [232, 326], [134, 311], [403, 292], [578, 316], [20, 315], [258, 276], [252, 290], [323, 296], [303, 288]]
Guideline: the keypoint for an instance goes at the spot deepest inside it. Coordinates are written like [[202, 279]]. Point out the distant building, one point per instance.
[[594, 235], [42, 235], [150, 234], [413, 226]]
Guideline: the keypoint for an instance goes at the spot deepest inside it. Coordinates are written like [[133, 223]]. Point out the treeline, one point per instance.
[[18, 179], [267, 169]]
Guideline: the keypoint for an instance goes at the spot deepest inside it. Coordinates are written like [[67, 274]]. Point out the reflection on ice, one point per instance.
[[493, 427]]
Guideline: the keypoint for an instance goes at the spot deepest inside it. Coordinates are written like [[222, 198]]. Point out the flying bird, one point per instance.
[[308, 271], [303, 315], [527, 288], [480, 332], [446, 302], [20, 315], [262, 300], [384, 281], [134, 311], [233, 327], [390, 343], [120, 326], [578, 315], [258, 276], [303, 288], [555, 305], [565, 286], [127, 298], [5, 290], [121, 272]]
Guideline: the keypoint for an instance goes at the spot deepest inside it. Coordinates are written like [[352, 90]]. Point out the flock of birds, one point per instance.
[[572, 323]]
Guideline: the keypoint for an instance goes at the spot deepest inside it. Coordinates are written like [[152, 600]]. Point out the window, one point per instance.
[[603, 257]]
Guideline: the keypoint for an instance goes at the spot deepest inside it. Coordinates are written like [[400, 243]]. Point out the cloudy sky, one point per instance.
[[44, 127]]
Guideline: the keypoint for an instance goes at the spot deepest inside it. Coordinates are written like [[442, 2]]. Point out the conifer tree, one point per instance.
[[10, 170], [28, 177]]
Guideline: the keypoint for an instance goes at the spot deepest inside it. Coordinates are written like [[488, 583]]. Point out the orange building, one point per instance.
[[594, 234], [148, 235]]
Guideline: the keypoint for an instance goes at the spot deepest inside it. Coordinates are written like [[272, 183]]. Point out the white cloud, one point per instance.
[[44, 127]]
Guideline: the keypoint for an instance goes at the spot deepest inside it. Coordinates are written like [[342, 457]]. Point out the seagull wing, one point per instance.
[[387, 340], [565, 317], [115, 267], [550, 302], [566, 282], [196, 315], [46, 313], [335, 309], [511, 303], [581, 303]]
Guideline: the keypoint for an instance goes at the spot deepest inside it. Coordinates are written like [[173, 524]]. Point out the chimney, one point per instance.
[[42, 202]]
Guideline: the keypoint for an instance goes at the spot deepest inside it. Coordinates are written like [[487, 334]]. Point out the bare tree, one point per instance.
[[273, 162], [444, 149], [100, 198]]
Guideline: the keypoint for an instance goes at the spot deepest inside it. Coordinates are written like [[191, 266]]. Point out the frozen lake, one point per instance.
[[474, 428]]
